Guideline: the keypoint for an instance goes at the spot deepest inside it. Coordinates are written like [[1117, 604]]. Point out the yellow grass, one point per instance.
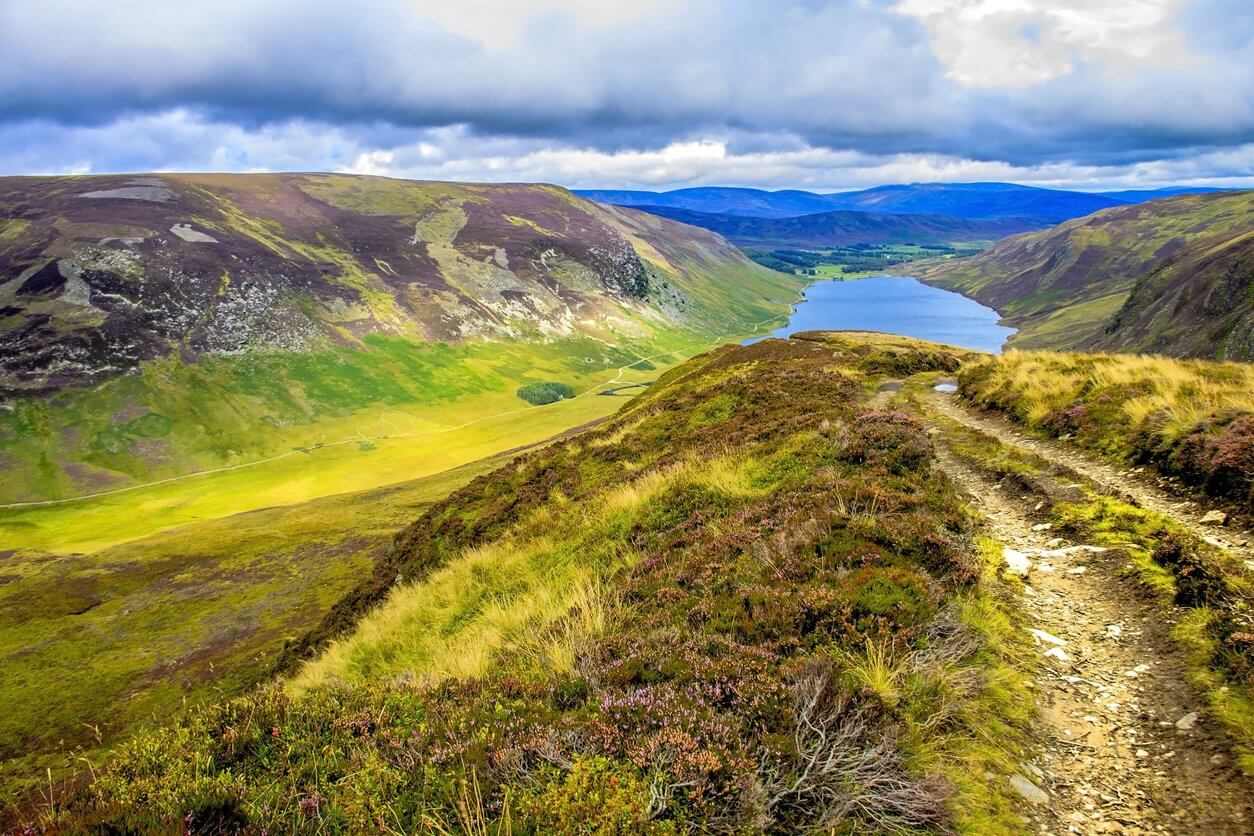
[[528, 595], [1178, 392]]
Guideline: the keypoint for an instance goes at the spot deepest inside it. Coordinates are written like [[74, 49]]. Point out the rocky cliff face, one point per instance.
[[98, 274]]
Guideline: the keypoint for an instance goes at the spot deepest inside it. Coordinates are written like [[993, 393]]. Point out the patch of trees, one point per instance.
[[538, 394], [854, 258]]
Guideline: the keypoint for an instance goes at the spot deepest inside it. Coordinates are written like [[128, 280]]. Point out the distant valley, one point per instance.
[[1162, 270]]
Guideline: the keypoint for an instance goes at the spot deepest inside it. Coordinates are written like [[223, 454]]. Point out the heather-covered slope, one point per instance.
[[1198, 303], [747, 603], [184, 322], [1065, 287]]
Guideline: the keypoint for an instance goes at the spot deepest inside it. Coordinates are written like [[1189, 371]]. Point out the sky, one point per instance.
[[654, 94]]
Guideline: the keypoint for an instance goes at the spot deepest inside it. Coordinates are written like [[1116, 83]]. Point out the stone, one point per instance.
[[194, 236], [1187, 722], [1215, 517], [1054, 543], [1030, 792], [1218, 760], [1058, 653], [1017, 563], [1042, 527], [1042, 636]]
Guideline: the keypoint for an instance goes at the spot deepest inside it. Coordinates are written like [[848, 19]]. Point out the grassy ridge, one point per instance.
[[746, 602], [1190, 419]]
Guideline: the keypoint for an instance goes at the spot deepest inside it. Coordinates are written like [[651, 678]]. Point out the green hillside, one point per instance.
[[154, 326], [1168, 276], [659, 625]]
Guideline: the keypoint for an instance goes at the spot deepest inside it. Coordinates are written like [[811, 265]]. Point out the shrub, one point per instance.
[[1197, 583], [595, 795]]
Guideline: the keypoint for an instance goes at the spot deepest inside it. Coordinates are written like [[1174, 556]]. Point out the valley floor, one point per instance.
[[1127, 745]]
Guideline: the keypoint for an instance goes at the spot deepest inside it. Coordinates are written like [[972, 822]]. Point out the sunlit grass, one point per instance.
[[532, 596], [1163, 392]]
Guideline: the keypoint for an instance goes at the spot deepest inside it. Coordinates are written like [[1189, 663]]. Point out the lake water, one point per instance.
[[897, 305]]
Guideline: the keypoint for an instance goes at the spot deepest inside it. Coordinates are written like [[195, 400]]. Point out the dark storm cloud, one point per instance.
[[870, 77]]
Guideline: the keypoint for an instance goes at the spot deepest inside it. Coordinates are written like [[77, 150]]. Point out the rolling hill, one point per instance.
[[220, 395], [1170, 276], [843, 228], [977, 201], [781, 591], [749, 203], [183, 322]]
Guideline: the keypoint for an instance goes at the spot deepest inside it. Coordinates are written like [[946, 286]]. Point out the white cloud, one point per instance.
[[1016, 43], [180, 140]]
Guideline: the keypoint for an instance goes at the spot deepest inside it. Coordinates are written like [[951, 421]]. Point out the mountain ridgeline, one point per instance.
[[842, 228], [1172, 276], [1031, 207]]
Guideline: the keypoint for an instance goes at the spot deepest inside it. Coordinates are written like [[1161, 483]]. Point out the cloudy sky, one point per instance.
[[819, 94]]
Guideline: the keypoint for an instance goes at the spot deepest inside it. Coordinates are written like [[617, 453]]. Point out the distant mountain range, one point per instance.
[[1034, 207], [844, 228]]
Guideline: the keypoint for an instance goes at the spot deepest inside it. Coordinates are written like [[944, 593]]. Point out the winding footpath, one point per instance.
[[1127, 745]]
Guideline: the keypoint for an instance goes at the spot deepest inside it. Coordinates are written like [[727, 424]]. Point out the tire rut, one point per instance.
[[1183, 511]]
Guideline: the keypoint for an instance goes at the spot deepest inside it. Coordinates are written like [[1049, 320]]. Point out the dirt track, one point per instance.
[[1127, 744]]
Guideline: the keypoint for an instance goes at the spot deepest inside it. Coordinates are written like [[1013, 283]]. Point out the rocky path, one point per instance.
[[1133, 484], [1127, 745]]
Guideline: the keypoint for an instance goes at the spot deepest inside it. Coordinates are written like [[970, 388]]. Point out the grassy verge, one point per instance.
[[746, 603], [1191, 419]]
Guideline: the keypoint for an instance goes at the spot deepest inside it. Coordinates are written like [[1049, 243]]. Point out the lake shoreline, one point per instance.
[[896, 304]]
